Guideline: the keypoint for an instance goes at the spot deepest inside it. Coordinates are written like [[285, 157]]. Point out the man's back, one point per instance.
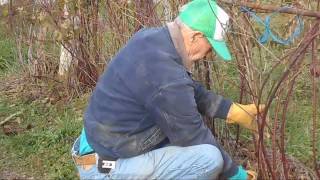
[[117, 107]]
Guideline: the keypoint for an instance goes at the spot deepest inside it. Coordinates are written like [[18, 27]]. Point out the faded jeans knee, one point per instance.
[[213, 159]]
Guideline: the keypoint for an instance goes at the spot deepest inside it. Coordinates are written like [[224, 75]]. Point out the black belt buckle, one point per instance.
[[105, 166]]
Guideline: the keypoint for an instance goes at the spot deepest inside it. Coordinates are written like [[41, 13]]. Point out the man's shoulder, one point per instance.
[[148, 61], [157, 38], [150, 32], [149, 52]]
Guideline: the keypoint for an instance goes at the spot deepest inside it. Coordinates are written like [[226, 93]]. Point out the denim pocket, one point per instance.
[[91, 172]]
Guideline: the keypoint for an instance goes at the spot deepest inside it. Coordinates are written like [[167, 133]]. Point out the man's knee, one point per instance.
[[211, 155]]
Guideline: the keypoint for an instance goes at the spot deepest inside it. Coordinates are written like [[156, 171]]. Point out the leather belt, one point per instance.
[[104, 165], [89, 159]]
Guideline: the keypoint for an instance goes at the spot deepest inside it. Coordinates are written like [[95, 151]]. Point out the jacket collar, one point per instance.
[[178, 42]]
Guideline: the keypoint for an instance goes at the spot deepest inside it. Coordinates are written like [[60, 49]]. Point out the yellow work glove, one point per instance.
[[251, 175], [244, 115]]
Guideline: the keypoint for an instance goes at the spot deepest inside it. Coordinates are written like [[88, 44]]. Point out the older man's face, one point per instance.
[[200, 47]]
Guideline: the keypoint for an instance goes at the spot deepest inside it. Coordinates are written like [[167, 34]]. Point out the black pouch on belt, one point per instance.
[[105, 165]]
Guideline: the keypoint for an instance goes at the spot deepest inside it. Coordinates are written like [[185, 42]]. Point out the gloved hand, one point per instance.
[[252, 175], [244, 115], [242, 174]]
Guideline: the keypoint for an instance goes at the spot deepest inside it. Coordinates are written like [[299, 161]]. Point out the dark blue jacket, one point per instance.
[[146, 97]]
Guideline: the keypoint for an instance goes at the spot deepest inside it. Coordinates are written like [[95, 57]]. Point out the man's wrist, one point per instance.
[[224, 108]]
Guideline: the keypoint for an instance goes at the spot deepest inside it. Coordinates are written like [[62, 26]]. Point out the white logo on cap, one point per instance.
[[222, 21]]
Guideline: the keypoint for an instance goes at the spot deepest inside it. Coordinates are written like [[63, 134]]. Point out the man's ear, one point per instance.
[[196, 35]]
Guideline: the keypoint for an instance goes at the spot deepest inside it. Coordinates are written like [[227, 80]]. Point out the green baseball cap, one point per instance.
[[210, 19]]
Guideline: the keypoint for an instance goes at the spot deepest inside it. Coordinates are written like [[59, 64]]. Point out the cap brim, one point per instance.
[[220, 47]]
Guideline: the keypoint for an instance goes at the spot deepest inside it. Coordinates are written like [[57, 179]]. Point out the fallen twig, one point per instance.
[[10, 117]]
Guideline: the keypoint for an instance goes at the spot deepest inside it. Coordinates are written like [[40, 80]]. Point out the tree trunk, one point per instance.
[[65, 61], [87, 49], [146, 14], [65, 55]]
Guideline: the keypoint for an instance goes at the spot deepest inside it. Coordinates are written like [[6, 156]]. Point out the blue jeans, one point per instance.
[[171, 162]]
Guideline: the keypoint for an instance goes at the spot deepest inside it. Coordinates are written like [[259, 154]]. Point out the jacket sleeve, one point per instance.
[[210, 104], [175, 111]]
